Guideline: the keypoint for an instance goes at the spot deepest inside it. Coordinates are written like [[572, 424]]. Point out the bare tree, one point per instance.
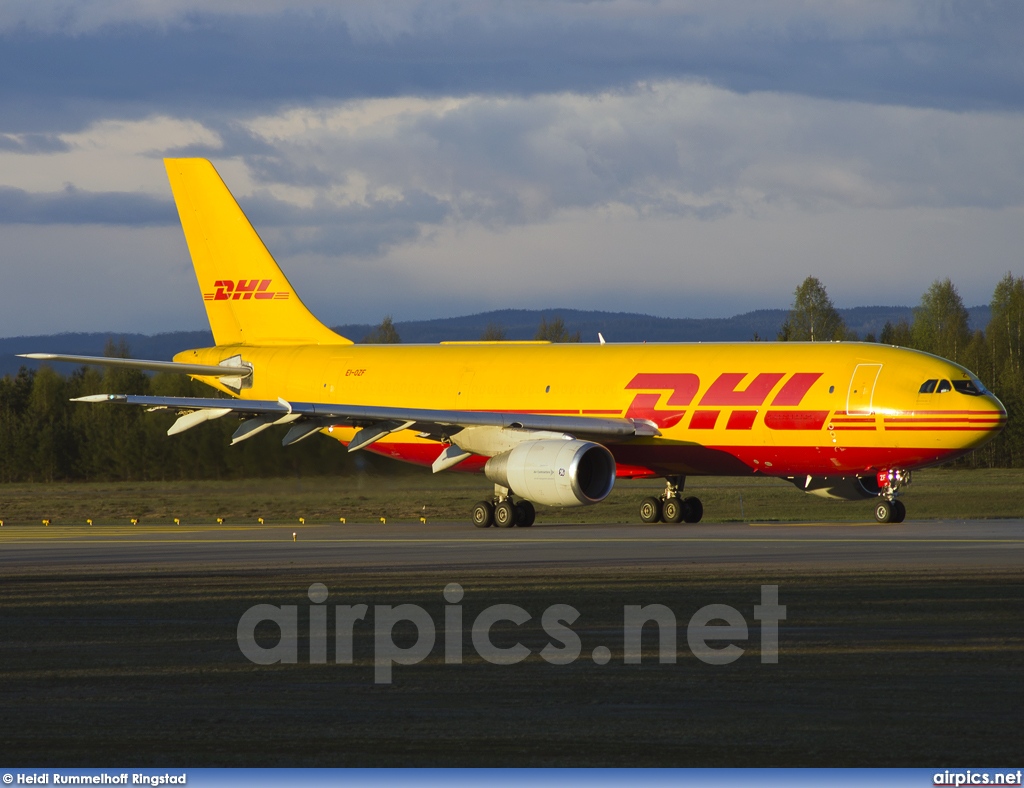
[[812, 318], [493, 333], [384, 334], [555, 331]]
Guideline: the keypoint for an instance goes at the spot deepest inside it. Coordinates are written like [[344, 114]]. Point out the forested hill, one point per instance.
[[516, 323]]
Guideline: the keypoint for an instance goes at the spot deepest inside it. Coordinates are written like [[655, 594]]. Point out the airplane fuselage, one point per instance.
[[778, 409]]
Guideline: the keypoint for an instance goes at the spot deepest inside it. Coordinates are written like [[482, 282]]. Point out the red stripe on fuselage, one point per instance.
[[938, 429], [937, 420]]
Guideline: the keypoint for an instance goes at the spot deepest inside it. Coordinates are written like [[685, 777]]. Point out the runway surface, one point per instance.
[[976, 543]]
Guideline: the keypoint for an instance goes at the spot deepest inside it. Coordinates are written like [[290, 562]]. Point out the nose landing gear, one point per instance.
[[890, 509], [670, 507]]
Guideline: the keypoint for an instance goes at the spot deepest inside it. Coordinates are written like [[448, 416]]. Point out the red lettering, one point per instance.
[[245, 289], [645, 406], [224, 287], [724, 392], [262, 293], [741, 420], [704, 419], [684, 387], [796, 388]]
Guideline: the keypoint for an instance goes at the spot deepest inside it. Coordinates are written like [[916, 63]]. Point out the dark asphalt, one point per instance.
[[974, 543]]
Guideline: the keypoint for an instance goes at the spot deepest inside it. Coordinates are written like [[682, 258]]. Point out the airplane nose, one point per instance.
[[995, 415]]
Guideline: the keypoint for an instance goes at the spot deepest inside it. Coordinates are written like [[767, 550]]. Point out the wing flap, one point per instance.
[[191, 419]]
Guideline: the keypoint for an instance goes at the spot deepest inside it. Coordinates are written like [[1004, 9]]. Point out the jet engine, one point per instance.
[[555, 472], [841, 488]]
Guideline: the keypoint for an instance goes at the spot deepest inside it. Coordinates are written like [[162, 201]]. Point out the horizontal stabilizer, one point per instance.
[[207, 370]]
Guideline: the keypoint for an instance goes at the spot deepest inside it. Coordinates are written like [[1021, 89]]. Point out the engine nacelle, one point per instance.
[[555, 472], [841, 488]]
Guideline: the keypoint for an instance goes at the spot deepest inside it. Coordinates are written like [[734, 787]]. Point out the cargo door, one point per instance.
[[334, 375], [862, 390]]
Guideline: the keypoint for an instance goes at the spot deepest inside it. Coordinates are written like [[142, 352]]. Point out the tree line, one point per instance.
[[940, 326]]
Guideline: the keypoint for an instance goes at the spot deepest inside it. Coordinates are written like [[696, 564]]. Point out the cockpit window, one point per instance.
[[928, 386], [944, 386], [972, 388]]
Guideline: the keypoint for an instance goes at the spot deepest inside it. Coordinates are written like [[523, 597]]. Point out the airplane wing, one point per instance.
[[374, 422]]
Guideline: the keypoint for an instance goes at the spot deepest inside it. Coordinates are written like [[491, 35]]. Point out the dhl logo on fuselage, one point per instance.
[[244, 290], [725, 392]]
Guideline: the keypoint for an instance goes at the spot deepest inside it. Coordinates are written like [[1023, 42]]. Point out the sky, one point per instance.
[[441, 158]]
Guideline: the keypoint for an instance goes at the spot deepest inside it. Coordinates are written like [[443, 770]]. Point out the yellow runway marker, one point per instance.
[[514, 540]]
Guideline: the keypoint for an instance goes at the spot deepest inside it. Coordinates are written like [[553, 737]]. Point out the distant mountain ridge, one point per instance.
[[517, 323]]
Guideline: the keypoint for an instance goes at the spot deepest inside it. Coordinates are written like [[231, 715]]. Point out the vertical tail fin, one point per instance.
[[247, 297]]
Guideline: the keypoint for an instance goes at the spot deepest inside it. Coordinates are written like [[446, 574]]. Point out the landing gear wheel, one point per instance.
[[650, 510], [483, 515], [672, 510], [899, 511], [504, 515], [884, 511], [693, 510], [525, 514]]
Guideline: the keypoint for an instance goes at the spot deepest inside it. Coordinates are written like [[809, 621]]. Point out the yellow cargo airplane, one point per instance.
[[556, 424]]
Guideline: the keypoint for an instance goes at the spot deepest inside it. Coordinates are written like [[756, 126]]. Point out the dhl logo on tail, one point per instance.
[[244, 290]]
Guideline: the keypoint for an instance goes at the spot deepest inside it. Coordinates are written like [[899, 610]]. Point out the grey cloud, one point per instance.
[[958, 55], [232, 137], [357, 230], [32, 143], [72, 206], [672, 150], [274, 168]]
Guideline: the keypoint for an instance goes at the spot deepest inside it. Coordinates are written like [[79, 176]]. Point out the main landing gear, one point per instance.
[[890, 509], [503, 512], [670, 508]]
